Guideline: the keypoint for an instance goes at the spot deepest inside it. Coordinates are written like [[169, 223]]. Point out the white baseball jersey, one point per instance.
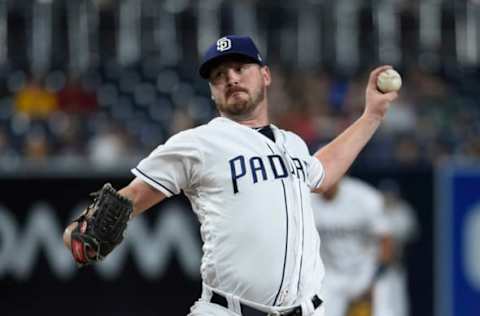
[[349, 226], [252, 198]]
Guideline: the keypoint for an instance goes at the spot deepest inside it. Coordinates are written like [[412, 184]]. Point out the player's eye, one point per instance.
[[217, 76], [242, 68]]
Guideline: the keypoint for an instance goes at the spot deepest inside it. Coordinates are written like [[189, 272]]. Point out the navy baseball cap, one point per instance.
[[229, 45]]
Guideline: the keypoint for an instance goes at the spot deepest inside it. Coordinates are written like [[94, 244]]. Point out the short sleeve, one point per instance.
[[316, 173], [173, 166]]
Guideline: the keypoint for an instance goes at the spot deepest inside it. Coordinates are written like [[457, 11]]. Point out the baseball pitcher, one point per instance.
[[248, 182]]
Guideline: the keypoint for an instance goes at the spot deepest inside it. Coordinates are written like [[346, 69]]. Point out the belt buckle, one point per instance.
[[274, 314]]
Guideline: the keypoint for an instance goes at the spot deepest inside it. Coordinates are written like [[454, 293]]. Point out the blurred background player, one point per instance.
[[355, 244], [391, 295]]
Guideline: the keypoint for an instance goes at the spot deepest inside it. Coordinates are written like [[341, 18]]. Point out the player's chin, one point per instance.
[[238, 108], [237, 99]]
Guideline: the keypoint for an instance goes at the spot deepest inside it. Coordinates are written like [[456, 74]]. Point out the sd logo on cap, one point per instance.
[[224, 44], [227, 46]]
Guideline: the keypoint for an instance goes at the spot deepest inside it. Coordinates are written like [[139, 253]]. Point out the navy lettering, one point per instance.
[[256, 164], [237, 174], [291, 167], [299, 167], [280, 163]]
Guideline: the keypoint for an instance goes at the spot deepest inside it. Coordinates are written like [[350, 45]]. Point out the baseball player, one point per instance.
[[355, 242], [391, 293], [249, 183]]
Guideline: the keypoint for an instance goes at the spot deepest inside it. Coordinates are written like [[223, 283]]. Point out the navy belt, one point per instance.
[[250, 311]]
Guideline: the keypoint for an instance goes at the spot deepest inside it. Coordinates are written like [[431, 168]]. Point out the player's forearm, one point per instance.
[[339, 154], [142, 195]]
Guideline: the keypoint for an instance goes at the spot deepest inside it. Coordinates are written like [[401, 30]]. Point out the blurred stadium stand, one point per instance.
[[74, 71]]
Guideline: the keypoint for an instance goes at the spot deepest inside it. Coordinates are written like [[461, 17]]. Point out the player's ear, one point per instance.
[[211, 91], [267, 76]]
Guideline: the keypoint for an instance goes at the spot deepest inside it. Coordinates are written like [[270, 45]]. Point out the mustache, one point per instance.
[[235, 89]]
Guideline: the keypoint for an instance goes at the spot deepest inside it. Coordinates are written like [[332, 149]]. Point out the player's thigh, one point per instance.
[[203, 308]]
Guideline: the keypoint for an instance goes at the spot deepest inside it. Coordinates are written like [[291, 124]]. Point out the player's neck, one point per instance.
[[254, 122]]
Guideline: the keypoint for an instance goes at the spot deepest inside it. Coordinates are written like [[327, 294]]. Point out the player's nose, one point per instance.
[[232, 76]]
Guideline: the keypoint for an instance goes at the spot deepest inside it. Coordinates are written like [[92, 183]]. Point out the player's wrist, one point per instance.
[[372, 118]]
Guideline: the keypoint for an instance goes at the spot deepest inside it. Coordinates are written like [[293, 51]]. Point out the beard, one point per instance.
[[242, 107]]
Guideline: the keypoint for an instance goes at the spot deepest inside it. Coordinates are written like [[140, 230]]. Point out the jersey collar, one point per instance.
[[279, 137]]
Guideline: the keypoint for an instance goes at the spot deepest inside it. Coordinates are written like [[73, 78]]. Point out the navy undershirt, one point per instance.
[[266, 131]]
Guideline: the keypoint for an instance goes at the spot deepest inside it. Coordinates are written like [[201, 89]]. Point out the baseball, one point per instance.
[[389, 80]]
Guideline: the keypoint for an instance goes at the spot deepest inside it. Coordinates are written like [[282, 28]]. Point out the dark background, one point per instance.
[[173, 292]]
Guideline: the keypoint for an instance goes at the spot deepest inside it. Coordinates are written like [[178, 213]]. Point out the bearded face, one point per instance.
[[238, 87], [240, 101]]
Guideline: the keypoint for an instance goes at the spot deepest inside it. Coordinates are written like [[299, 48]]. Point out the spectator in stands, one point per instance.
[[36, 146], [74, 97], [68, 130], [108, 147], [307, 104], [407, 151], [35, 101], [181, 120], [6, 148]]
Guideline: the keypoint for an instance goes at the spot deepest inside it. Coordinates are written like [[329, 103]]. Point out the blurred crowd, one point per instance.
[[107, 118], [104, 82], [119, 114], [435, 117]]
